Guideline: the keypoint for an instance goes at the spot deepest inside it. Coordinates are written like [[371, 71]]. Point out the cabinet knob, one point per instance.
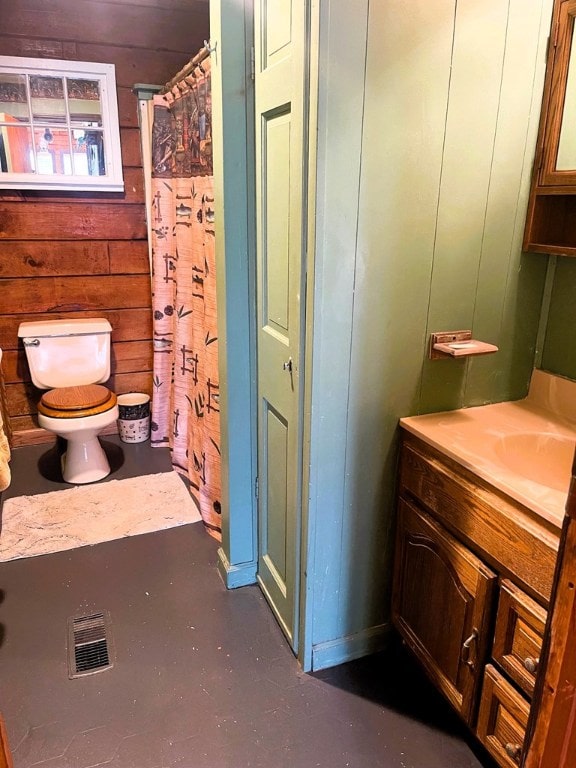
[[513, 751], [531, 664]]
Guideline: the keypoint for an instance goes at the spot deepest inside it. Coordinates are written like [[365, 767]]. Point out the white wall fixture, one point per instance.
[[59, 125]]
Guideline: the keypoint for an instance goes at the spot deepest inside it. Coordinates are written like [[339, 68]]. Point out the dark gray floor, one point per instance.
[[202, 677]]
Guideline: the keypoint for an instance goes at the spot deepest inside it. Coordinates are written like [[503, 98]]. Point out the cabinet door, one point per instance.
[[441, 606]]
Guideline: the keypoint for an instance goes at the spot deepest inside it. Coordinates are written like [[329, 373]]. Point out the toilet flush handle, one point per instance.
[[31, 342]]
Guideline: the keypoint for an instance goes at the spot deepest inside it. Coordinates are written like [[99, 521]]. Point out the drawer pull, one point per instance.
[[531, 664], [513, 751], [467, 648]]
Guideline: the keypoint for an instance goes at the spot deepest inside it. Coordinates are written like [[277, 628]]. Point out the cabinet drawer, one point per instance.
[[502, 719], [520, 624]]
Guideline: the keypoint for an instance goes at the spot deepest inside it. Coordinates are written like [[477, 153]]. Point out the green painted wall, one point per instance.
[[559, 352], [427, 122], [427, 128]]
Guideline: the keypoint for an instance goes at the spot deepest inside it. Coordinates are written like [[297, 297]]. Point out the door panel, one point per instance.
[[280, 155], [277, 28], [277, 465], [275, 258]]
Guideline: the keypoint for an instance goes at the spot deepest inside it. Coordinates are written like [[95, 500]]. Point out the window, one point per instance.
[[58, 125]]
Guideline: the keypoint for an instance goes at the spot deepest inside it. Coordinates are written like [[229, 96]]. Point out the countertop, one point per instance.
[[524, 448]]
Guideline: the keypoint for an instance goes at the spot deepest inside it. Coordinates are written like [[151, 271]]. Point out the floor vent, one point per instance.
[[89, 646]]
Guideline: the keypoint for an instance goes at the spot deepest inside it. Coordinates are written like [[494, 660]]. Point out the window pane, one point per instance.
[[16, 149], [52, 144], [13, 99], [84, 102], [47, 99], [88, 153]]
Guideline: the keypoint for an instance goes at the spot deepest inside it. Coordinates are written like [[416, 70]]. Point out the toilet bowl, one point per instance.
[[71, 359]]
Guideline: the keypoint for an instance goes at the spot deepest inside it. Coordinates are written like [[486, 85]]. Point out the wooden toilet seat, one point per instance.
[[76, 402]]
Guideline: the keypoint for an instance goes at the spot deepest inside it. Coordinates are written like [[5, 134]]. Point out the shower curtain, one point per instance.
[[185, 408]]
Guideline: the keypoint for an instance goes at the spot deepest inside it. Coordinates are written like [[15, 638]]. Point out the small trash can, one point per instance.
[[134, 417]]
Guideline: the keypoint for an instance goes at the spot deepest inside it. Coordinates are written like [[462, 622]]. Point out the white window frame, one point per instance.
[[113, 180]]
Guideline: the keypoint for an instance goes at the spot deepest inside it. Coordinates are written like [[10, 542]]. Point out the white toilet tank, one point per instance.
[[67, 353]]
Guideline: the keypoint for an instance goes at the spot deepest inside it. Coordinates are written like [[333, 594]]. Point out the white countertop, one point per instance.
[[523, 448]]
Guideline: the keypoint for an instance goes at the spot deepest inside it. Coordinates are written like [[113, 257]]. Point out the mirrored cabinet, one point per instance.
[[58, 125], [551, 219]]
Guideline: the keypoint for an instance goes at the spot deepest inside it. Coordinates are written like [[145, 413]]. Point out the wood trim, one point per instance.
[[560, 54], [553, 719], [5, 756]]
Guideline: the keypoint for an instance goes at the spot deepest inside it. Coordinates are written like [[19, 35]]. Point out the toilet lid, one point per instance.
[[76, 398]]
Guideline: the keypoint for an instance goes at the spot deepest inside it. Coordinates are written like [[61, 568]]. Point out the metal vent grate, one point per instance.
[[89, 648]]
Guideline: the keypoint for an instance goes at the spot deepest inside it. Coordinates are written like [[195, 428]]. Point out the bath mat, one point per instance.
[[90, 514]]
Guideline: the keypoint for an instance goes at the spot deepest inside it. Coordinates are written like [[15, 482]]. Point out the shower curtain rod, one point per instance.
[[188, 68]]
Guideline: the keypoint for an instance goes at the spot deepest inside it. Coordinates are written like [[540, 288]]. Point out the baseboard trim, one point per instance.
[[351, 647], [235, 576]]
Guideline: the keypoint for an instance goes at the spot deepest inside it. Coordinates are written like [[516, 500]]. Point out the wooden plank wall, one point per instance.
[[85, 254]]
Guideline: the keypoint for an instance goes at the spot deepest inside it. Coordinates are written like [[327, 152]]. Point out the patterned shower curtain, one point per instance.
[[185, 409]]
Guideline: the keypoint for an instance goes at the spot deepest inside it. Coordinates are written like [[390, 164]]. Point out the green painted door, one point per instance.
[[280, 32]]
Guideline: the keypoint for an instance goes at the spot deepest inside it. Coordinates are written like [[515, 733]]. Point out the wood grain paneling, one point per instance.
[[142, 66], [93, 21], [127, 357], [38, 49], [53, 294], [63, 221], [129, 257], [14, 367], [130, 143], [127, 324], [22, 398], [131, 357], [127, 107], [39, 259], [148, 66], [75, 254]]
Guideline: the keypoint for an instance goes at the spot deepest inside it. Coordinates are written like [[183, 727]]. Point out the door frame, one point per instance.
[[231, 26]]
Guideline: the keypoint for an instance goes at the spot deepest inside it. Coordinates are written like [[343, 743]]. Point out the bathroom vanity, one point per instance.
[[481, 498]]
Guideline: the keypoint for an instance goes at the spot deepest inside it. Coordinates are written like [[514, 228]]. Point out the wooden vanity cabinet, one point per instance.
[[473, 574], [442, 602]]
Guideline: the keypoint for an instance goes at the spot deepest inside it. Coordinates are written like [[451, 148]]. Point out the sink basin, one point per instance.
[[542, 457]]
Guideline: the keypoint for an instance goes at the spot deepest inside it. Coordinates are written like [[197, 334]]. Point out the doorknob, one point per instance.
[[287, 366]]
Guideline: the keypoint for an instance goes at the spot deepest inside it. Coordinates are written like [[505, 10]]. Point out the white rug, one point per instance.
[[90, 514]]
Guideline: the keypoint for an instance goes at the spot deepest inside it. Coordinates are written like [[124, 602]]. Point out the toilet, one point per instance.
[[71, 359]]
